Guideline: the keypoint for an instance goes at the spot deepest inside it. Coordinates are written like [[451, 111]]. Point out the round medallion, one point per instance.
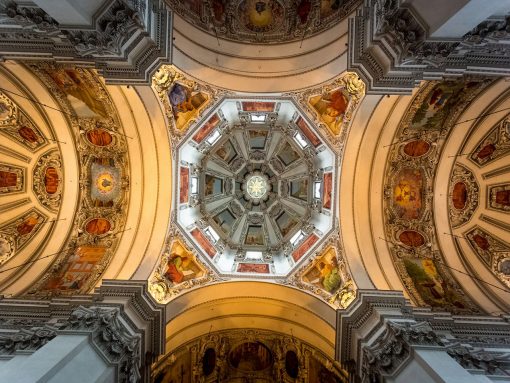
[[105, 182], [257, 186]]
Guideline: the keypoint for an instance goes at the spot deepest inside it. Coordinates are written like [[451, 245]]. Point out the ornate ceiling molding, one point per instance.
[[263, 22], [104, 181], [390, 49], [125, 41], [410, 173]]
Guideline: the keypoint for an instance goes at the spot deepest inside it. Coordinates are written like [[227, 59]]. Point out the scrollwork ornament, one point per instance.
[[49, 163], [459, 214], [7, 247], [8, 111]]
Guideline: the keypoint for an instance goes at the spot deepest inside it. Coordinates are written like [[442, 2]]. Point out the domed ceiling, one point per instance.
[[438, 172], [256, 186], [263, 21]]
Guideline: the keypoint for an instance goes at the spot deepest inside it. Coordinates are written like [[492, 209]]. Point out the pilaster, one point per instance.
[[382, 338], [126, 41], [120, 322]]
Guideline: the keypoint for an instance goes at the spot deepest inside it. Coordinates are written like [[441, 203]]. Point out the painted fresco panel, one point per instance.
[[431, 286], [186, 104], [250, 357], [459, 195], [77, 268], [12, 178], [439, 102], [7, 180], [226, 152], [99, 137], [408, 193], [257, 138], [15, 124], [285, 223], [105, 182], [29, 223], [219, 8], [203, 242], [256, 106], [184, 186], [207, 128], [51, 180], [411, 238], [98, 226], [254, 235], [287, 154], [226, 220], [260, 15], [331, 107], [327, 191], [299, 189], [314, 140], [28, 134], [325, 273], [259, 268], [181, 265], [304, 247], [500, 197], [81, 93], [416, 148], [15, 234], [213, 185]]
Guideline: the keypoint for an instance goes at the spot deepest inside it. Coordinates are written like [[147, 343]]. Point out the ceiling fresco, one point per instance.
[[263, 21], [494, 145], [18, 230], [409, 216], [17, 233], [15, 124], [256, 188], [476, 221], [103, 176], [237, 355]]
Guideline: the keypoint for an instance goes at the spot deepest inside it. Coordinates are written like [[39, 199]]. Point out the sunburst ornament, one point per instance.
[[256, 186]]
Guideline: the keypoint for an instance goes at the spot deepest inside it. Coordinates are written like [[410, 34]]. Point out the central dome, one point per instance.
[[253, 177]]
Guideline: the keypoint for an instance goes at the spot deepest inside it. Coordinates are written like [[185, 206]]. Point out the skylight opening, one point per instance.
[[194, 185], [254, 254], [300, 140], [212, 234], [213, 137], [258, 118], [296, 238], [317, 189]]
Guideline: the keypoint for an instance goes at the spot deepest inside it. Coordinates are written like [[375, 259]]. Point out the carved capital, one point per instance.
[[392, 348], [110, 337]]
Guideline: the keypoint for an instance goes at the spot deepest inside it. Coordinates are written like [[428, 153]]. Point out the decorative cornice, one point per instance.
[[386, 31], [392, 349], [111, 339], [126, 326], [26, 340], [126, 41], [376, 335]]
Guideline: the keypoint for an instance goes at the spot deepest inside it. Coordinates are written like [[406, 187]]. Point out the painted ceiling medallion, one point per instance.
[[257, 186], [253, 176]]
